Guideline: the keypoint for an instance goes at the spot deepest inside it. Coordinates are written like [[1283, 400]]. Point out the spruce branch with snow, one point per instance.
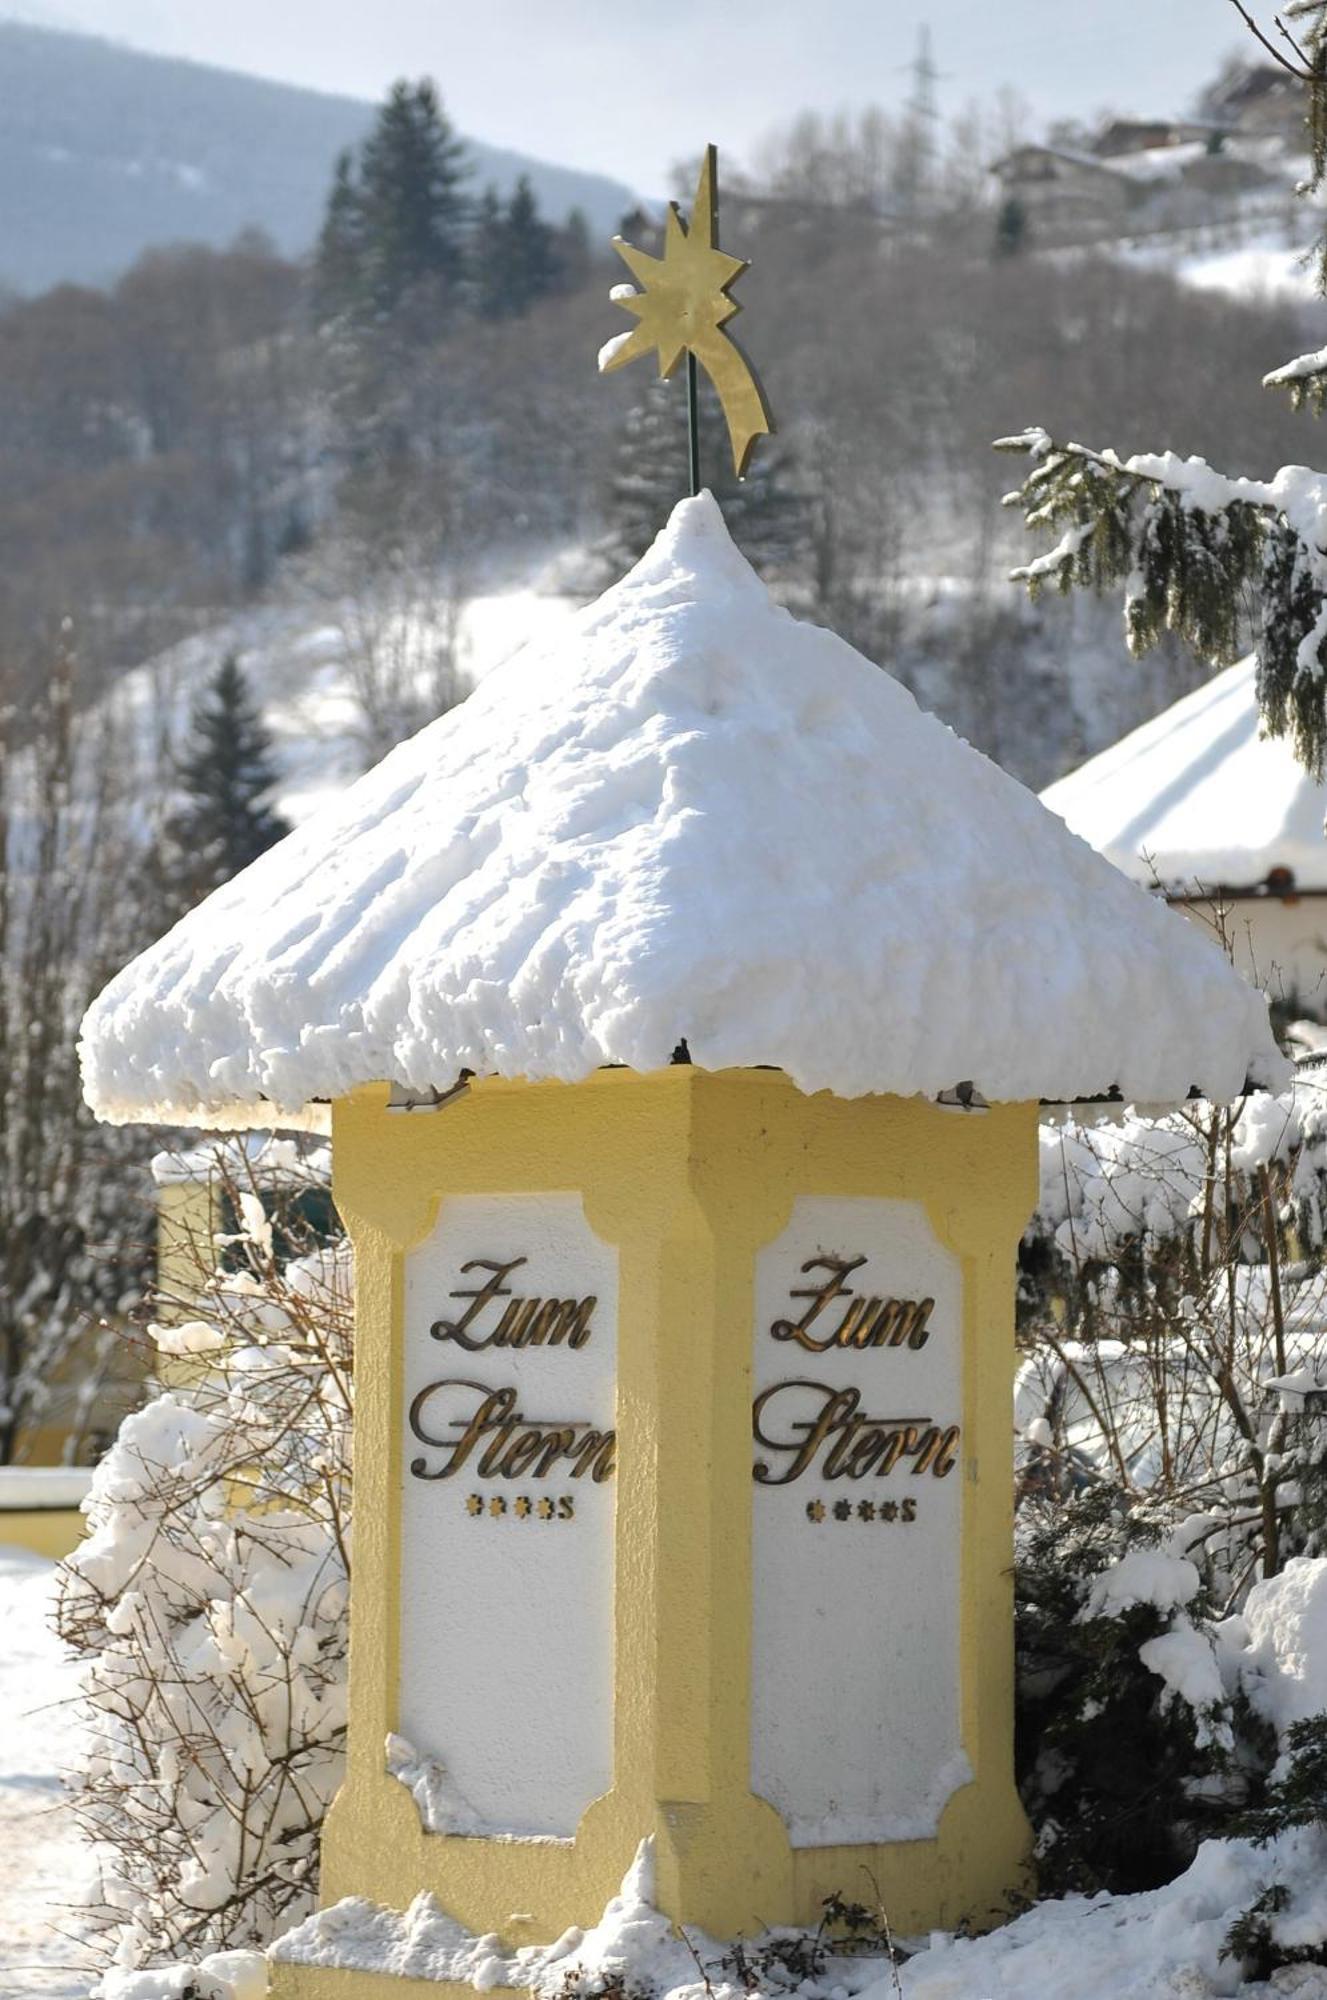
[[1213, 559], [1123, 1767]]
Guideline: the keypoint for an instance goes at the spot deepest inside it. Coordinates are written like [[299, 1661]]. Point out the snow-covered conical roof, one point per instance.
[[684, 817], [1199, 798]]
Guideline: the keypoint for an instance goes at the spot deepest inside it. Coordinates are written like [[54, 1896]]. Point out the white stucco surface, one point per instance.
[[855, 1656], [506, 1683]]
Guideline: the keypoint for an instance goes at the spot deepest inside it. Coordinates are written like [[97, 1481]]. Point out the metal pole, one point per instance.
[[693, 423]]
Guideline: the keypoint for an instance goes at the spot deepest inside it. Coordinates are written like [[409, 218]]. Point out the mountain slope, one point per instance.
[[104, 151]]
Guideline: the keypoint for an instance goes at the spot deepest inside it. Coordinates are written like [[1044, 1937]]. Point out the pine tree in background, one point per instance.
[[532, 264], [575, 251], [226, 777], [339, 258], [487, 251], [767, 512], [412, 170], [514, 260], [396, 222], [399, 229], [1011, 228]]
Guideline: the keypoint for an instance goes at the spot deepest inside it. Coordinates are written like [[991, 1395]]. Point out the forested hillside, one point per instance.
[[225, 425], [105, 152]]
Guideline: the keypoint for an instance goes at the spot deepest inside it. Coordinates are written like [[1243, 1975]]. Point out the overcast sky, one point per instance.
[[628, 87]]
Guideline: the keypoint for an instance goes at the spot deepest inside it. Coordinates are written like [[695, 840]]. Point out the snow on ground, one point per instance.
[[1166, 1945], [301, 661], [1256, 270], [41, 1860], [1263, 254]]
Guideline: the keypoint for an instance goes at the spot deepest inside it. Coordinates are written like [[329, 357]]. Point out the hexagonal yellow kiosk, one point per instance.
[[683, 1001]]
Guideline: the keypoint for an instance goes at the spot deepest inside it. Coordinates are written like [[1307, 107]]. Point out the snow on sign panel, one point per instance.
[[507, 1517], [857, 1507]]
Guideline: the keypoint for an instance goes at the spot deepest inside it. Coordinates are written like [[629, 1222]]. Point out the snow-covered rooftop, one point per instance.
[[1198, 798], [684, 816]]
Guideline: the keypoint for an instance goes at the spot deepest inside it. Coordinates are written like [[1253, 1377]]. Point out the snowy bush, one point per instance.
[[208, 1603], [1171, 1454], [1173, 1312], [1127, 1751]]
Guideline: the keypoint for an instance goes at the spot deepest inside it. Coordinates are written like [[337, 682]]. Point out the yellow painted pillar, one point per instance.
[[187, 1222], [855, 1260]]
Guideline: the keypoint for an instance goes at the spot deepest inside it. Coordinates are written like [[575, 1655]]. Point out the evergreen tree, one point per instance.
[[513, 258], [575, 251], [532, 265], [339, 258], [767, 513], [226, 777], [1223, 562], [1011, 228], [411, 205], [487, 254]]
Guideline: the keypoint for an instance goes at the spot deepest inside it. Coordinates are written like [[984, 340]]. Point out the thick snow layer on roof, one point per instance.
[[684, 815], [1198, 797]]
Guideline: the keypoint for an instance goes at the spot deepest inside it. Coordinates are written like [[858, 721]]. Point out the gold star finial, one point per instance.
[[683, 306]]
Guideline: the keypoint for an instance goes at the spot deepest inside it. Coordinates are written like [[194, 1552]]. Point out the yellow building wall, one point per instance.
[[54, 1532], [689, 1174]]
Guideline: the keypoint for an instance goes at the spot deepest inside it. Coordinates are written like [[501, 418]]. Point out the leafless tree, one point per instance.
[[72, 1227]]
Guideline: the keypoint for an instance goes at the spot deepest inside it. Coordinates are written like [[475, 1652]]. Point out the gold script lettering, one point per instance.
[[514, 1446], [530, 1322], [865, 1322], [801, 1420]]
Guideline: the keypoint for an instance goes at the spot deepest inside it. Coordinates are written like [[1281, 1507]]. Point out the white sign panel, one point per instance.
[[506, 1688], [857, 1520]]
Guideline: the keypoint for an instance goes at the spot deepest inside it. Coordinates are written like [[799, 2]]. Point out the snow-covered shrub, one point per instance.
[[1173, 1313], [1131, 1745], [208, 1603], [1276, 1651]]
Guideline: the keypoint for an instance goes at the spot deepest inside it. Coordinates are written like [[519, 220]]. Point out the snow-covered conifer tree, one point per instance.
[[225, 820]]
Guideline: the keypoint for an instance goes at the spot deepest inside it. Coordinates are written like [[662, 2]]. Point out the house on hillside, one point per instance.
[[1120, 189], [1148, 135], [1065, 193], [1224, 822], [1260, 101]]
